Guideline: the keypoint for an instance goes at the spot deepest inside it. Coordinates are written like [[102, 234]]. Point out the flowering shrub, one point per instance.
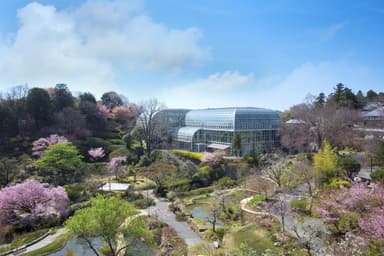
[[38, 146], [103, 110], [96, 153], [116, 163], [125, 112], [364, 204], [373, 224], [188, 154], [31, 200]]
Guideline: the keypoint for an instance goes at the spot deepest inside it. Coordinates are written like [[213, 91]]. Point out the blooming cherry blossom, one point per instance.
[[30, 200]]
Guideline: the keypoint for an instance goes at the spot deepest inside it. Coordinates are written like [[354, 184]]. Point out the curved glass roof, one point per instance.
[[210, 118], [233, 118], [256, 118], [185, 134]]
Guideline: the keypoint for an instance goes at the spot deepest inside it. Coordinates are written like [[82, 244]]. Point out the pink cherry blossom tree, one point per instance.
[[103, 110], [373, 224], [96, 153], [39, 145], [366, 203], [116, 163], [30, 200]]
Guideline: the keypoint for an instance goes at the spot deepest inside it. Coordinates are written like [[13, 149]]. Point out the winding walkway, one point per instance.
[[292, 225], [243, 207], [161, 210], [46, 241]]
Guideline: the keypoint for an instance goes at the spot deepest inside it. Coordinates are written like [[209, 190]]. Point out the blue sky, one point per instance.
[[194, 54]]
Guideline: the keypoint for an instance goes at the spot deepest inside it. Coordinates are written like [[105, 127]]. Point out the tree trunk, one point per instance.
[[309, 250], [111, 248], [283, 226], [91, 246], [310, 205], [223, 204]]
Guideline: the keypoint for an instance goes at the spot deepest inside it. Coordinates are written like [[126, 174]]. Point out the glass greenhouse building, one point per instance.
[[200, 130]]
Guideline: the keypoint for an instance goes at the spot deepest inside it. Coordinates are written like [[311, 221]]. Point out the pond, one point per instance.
[[79, 248], [203, 212]]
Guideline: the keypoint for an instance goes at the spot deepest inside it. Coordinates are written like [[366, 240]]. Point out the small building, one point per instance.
[[295, 121], [374, 118], [219, 147]]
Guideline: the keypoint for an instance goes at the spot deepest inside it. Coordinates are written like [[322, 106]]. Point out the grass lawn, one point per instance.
[[256, 238], [262, 238], [56, 245], [24, 238], [140, 184]]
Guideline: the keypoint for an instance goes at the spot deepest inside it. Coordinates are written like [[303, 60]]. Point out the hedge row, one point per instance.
[[188, 154]]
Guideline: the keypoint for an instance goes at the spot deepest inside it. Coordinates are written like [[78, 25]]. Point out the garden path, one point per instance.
[[293, 225], [161, 210], [46, 241]]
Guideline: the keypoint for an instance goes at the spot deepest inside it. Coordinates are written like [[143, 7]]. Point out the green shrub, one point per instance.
[[196, 192], [220, 232], [138, 199], [180, 216], [337, 183], [378, 176], [203, 176], [209, 235], [95, 168], [120, 151], [255, 199], [114, 147], [226, 182], [180, 185], [155, 155], [349, 165], [106, 250], [145, 160], [231, 213], [188, 154], [349, 221], [375, 248], [304, 156], [299, 204], [113, 135], [144, 203], [75, 192], [6, 234], [249, 159], [116, 141]]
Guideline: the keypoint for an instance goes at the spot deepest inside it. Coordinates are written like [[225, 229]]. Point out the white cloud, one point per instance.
[[88, 45], [312, 78], [276, 92], [214, 91]]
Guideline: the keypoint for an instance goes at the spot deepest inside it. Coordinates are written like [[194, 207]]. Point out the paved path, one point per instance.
[[243, 207], [164, 215], [49, 239], [304, 232]]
